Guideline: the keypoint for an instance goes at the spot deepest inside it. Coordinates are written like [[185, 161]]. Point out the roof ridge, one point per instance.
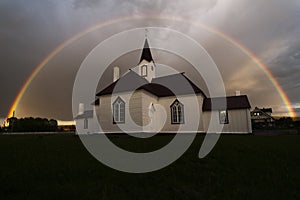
[[233, 96], [193, 84], [232, 103], [111, 86], [168, 76], [264, 112]]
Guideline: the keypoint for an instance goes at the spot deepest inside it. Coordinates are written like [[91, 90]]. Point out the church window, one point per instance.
[[119, 111], [144, 70], [85, 123], [177, 112], [223, 117]]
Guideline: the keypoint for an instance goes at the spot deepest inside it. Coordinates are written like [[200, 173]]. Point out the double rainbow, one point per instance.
[[58, 49]]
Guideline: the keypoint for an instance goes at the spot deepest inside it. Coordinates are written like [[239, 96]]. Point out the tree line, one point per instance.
[[30, 124]]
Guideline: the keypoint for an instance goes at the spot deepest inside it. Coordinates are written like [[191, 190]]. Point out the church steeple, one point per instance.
[[146, 66], [146, 53]]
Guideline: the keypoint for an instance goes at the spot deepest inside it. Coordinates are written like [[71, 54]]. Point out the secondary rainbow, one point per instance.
[[246, 51]]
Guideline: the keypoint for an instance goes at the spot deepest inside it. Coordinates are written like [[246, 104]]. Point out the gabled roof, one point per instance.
[[263, 112], [233, 102], [158, 86], [87, 114], [96, 102], [128, 82], [146, 53], [176, 80], [266, 110], [157, 89]]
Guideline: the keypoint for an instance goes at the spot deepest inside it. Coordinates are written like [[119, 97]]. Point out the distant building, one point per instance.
[[66, 128], [261, 118], [84, 120]]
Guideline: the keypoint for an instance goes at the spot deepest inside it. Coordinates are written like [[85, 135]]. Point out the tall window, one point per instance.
[[223, 116], [177, 113], [144, 70], [119, 111], [86, 123]]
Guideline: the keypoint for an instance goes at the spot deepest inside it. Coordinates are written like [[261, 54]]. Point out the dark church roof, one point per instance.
[[233, 102], [128, 82], [159, 86], [85, 115], [146, 53], [178, 82]]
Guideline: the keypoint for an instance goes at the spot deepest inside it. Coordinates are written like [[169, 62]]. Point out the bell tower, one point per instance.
[[146, 66]]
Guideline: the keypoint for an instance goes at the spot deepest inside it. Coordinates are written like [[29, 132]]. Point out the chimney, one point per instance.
[[81, 109], [116, 74], [237, 93]]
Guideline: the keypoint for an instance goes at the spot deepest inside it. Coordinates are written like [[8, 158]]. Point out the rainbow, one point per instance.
[[264, 68], [58, 49]]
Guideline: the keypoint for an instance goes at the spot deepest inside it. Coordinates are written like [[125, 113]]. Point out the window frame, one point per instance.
[[120, 102], [179, 116], [146, 71], [85, 123], [226, 121]]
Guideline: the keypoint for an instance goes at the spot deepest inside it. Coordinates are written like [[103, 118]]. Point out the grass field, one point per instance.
[[239, 167]]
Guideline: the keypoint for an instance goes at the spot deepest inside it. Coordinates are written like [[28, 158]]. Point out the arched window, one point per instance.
[[144, 70], [119, 111], [177, 112]]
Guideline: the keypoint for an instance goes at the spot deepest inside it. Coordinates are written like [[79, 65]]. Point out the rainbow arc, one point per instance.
[[58, 49]]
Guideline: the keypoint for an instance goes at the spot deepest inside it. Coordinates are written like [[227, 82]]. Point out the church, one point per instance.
[[139, 101]]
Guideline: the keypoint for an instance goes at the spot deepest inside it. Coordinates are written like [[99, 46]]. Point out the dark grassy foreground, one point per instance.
[[240, 167]]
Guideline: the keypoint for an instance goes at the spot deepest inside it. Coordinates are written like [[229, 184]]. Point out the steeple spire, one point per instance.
[[146, 54], [146, 66]]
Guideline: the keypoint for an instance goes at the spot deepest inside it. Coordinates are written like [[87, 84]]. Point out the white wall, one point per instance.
[[138, 110], [194, 118], [150, 70], [239, 121], [192, 114], [104, 112], [92, 126]]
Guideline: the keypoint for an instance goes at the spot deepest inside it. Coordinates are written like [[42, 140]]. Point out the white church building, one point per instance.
[[138, 101]]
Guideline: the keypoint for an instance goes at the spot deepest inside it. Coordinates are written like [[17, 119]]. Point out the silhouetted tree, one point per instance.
[[285, 122], [53, 126], [30, 124]]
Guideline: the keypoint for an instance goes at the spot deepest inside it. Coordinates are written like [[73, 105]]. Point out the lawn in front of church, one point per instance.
[[239, 167]]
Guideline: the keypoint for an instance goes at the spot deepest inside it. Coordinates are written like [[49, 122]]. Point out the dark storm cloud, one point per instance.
[[23, 43], [289, 56], [31, 29], [286, 66], [85, 3]]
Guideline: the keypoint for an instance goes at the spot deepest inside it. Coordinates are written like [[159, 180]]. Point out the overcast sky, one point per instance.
[[31, 29]]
